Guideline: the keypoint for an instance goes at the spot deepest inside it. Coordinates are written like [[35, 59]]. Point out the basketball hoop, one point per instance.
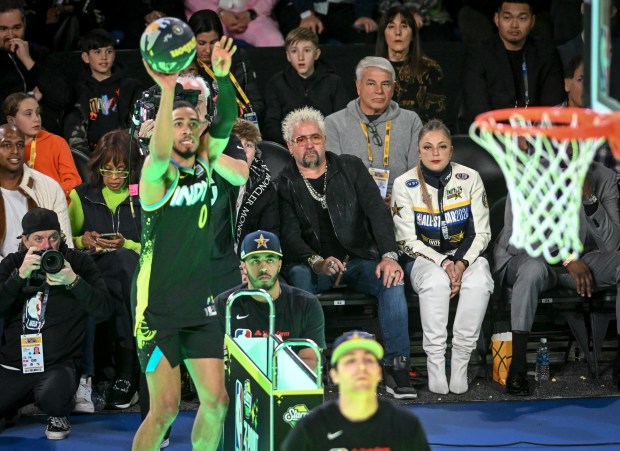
[[545, 154]]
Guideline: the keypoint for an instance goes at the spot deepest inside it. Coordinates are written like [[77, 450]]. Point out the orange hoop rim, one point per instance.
[[587, 123], [567, 124]]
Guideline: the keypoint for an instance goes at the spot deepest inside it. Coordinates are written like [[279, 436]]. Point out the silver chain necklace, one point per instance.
[[315, 195]]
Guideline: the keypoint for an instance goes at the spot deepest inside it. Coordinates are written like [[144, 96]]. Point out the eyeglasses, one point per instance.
[[109, 173], [376, 138], [303, 139]]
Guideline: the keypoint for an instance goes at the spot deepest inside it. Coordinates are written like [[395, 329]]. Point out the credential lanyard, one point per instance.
[[234, 82], [526, 90], [386, 142], [33, 152], [46, 294]]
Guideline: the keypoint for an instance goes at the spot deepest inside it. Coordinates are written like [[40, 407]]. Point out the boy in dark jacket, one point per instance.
[[306, 82], [105, 95]]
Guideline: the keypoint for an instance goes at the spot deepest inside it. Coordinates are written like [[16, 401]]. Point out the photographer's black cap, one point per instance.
[[260, 241], [39, 219]]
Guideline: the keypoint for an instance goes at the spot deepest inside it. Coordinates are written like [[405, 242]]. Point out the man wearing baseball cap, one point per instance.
[[358, 419], [298, 313], [45, 299]]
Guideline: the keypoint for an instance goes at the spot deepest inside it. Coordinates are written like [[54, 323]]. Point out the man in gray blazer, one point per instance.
[[597, 268]]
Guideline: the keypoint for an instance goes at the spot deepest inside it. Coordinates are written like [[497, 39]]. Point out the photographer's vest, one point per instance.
[[173, 288]]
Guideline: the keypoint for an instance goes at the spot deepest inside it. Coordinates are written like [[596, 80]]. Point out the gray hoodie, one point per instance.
[[346, 136]]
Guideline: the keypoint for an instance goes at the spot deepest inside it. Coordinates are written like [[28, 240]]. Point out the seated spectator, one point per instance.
[[446, 252], [598, 267], [476, 21], [247, 20], [573, 85], [338, 219], [431, 18], [105, 220], [24, 67], [418, 78], [364, 420], [374, 128], [307, 81], [346, 22], [298, 313], [22, 189], [45, 152], [257, 203], [105, 94], [573, 82], [51, 310], [512, 69], [208, 29]]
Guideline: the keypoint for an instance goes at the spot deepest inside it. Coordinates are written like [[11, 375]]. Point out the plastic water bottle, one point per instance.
[[542, 361]]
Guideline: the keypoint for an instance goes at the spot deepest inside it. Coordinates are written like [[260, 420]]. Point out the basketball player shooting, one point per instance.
[[175, 316]]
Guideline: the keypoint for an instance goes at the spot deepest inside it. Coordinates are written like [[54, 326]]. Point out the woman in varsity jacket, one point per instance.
[[441, 217]]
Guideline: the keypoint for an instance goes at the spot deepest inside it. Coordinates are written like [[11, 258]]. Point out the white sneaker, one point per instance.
[[83, 401]]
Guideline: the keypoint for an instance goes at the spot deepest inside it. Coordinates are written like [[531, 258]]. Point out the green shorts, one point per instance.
[[205, 341]]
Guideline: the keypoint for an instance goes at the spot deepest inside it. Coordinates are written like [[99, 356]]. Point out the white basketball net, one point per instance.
[[544, 184]]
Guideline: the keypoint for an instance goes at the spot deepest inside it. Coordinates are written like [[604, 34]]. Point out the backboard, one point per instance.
[[602, 80]]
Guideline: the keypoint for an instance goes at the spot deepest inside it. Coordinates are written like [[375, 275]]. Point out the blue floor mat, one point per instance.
[[571, 422]]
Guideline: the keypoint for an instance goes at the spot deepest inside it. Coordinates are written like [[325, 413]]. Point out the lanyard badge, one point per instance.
[[32, 353]]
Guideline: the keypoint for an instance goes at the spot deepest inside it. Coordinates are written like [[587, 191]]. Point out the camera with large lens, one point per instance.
[[146, 107], [52, 261]]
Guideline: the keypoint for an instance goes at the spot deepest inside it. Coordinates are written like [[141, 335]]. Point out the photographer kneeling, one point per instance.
[[45, 297]]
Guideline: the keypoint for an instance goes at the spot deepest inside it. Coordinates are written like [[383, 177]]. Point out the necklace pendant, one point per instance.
[[324, 204]]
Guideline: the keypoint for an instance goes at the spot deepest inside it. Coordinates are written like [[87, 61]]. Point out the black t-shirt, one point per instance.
[[391, 428], [298, 315], [516, 58], [330, 246]]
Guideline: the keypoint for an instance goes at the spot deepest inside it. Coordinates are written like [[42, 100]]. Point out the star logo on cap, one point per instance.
[[261, 242]]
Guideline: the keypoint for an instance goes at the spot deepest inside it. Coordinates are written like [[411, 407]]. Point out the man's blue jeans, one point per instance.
[[360, 276]]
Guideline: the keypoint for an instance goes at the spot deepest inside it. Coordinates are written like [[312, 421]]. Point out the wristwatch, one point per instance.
[[312, 260], [590, 200], [391, 255]]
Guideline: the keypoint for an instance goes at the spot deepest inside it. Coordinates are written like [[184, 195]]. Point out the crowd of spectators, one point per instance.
[[359, 202]]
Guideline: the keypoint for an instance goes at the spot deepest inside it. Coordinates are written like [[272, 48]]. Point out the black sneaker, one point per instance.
[[397, 382], [518, 385], [123, 394], [58, 428]]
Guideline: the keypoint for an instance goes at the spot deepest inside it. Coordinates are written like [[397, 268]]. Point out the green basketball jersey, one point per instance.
[[172, 284]]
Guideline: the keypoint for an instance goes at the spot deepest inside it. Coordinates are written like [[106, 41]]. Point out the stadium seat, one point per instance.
[[81, 162]]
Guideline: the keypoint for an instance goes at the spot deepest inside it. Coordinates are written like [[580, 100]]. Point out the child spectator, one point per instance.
[[105, 94], [45, 152], [306, 82]]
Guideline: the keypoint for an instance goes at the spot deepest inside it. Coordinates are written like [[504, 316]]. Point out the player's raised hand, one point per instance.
[[221, 57], [165, 81]]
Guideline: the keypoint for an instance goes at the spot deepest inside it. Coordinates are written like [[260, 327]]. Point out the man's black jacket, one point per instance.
[[361, 220], [488, 81]]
